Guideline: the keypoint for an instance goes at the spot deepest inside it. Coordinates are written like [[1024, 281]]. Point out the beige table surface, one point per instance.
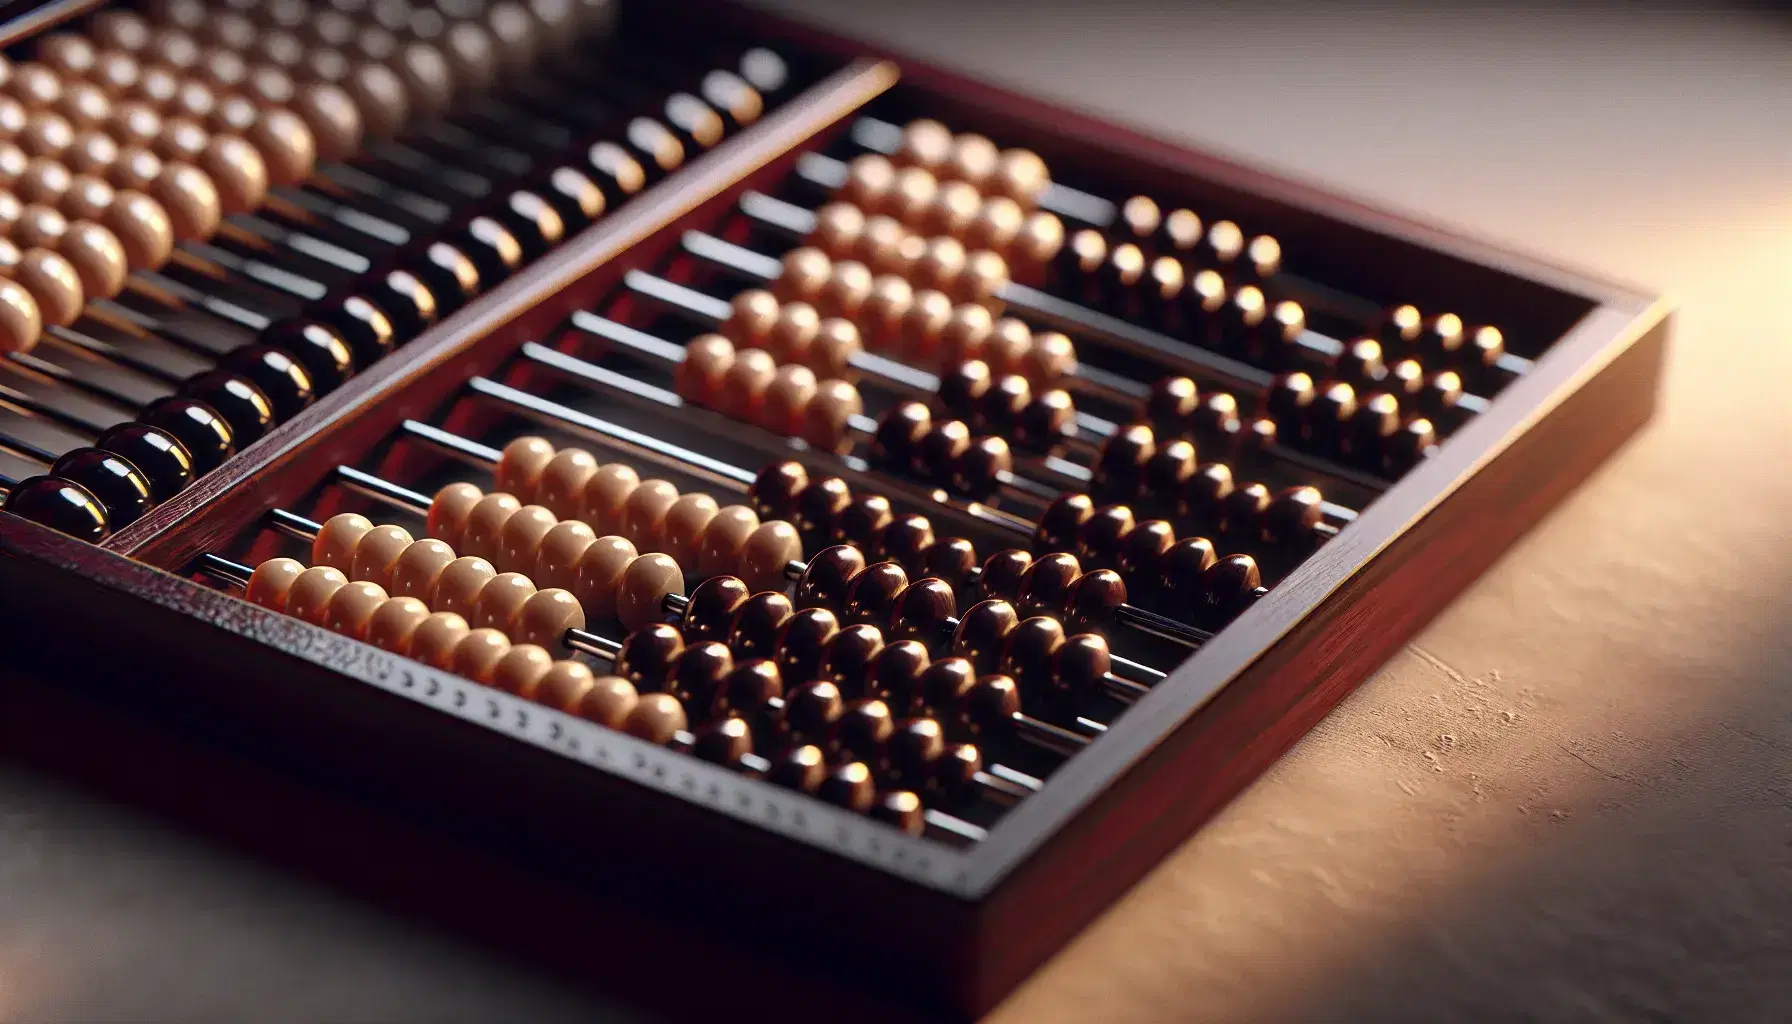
[[1569, 799]]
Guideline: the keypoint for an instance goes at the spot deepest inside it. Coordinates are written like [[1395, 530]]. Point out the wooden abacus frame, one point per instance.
[[960, 928]]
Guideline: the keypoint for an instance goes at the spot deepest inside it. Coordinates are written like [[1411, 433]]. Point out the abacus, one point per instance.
[[740, 437]]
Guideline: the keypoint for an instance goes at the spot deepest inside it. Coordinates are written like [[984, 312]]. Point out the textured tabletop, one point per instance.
[[1569, 799]]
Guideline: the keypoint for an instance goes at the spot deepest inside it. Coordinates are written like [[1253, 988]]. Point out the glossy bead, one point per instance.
[[758, 622], [646, 584], [1244, 511], [950, 559], [318, 348], [894, 672], [309, 598], [905, 540], [1047, 421], [827, 577], [520, 466], [1169, 470], [1182, 573], [1080, 663], [723, 742], [1101, 538], [1377, 418], [710, 612], [449, 511], [351, 609], [982, 632], [699, 671], [747, 689], [500, 601], [418, 568], [434, 640], [610, 701], [201, 431], [1216, 421], [849, 655], [395, 623], [458, 585], [545, 618], [871, 594], [376, 554], [271, 581], [1142, 553], [1119, 471], [767, 555], [819, 506], [774, 491], [979, 470], [648, 655], [849, 786], [61, 505], [1293, 516], [1002, 573], [1094, 601], [242, 405], [899, 435], [337, 539], [991, 705], [943, 686], [121, 489], [914, 752], [811, 710], [1227, 586], [962, 388], [862, 731], [802, 641], [861, 524], [285, 382], [520, 670], [1407, 448], [922, 610], [800, 768], [1360, 363], [1062, 522], [656, 718], [485, 523], [1328, 418], [519, 539], [724, 538], [1203, 498], [1045, 586], [643, 519], [365, 328], [1027, 653]]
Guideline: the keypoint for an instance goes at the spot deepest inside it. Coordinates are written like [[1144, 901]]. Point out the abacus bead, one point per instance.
[[974, 160], [774, 491], [191, 200], [1022, 175], [486, 522], [940, 450], [1001, 404], [699, 672], [837, 343], [1361, 362], [851, 787], [248, 412], [803, 641], [1329, 416], [862, 730], [724, 539], [1045, 586], [1002, 574], [520, 466], [519, 542], [925, 143], [1216, 419], [1182, 572], [1485, 346], [871, 594], [418, 568], [309, 598], [1050, 359], [793, 335], [1062, 522], [1027, 653], [161, 458], [122, 491], [869, 181], [142, 227], [560, 484], [325, 356], [1204, 496], [643, 519], [906, 539], [1047, 421], [606, 495], [827, 419], [1440, 394], [899, 435], [991, 705], [377, 552], [819, 507], [1094, 600], [434, 640], [1293, 515], [800, 768], [895, 672], [1229, 582], [1401, 327], [1041, 238], [914, 752], [849, 656], [982, 632], [723, 742], [962, 388], [351, 609], [980, 469], [1143, 551], [805, 271], [1244, 511], [752, 314], [337, 539], [271, 581], [1377, 419], [571, 687], [954, 207], [449, 509], [21, 322], [237, 170], [745, 384], [279, 377], [521, 669], [395, 623], [884, 308], [710, 613], [648, 655], [500, 601], [748, 688], [768, 550], [646, 583], [205, 435], [684, 525], [700, 375], [1102, 536], [786, 400], [911, 193], [943, 686], [828, 575], [1409, 447], [758, 623], [965, 335], [951, 559], [1120, 470], [477, 654], [1169, 469], [459, 584], [1080, 663], [861, 524], [812, 708], [847, 288]]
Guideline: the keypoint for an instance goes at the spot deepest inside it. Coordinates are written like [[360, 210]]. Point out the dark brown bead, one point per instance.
[[60, 505], [698, 673], [848, 659], [157, 454], [775, 489], [1400, 328], [709, 614], [757, 624], [1170, 408], [248, 411], [747, 689], [819, 507], [285, 382], [1203, 500], [1244, 511], [1062, 521], [1216, 422], [982, 633], [939, 451], [1045, 586], [1290, 395], [1168, 470], [922, 612], [1441, 335], [871, 596], [803, 642], [1293, 517], [895, 673], [849, 786], [1120, 469], [1095, 598], [863, 522], [1377, 419], [943, 685], [1406, 449], [1142, 554], [991, 705], [905, 540], [914, 753], [899, 434], [1440, 394], [1256, 441], [1002, 405], [1102, 537], [981, 468], [1405, 378], [828, 575], [1001, 573], [800, 768], [862, 731], [1227, 586], [902, 810], [1361, 363], [1027, 653], [812, 708], [1182, 574], [959, 769], [1328, 419], [200, 430], [724, 742], [1048, 421], [648, 655], [122, 491], [1485, 347], [952, 559], [962, 390], [1081, 662]]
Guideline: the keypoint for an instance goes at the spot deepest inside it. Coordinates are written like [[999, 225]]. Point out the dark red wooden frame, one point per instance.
[[959, 929]]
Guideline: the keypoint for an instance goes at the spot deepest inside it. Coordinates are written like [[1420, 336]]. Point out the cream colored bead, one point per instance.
[[377, 554], [656, 718], [309, 598], [521, 670], [477, 654], [521, 465], [605, 495], [458, 586], [337, 539], [562, 483], [724, 539], [433, 642], [685, 522], [599, 575], [395, 622], [500, 601], [646, 583], [271, 581], [545, 618], [557, 557], [351, 608], [419, 567], [519, 543], [486, 522], [768, 550]]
